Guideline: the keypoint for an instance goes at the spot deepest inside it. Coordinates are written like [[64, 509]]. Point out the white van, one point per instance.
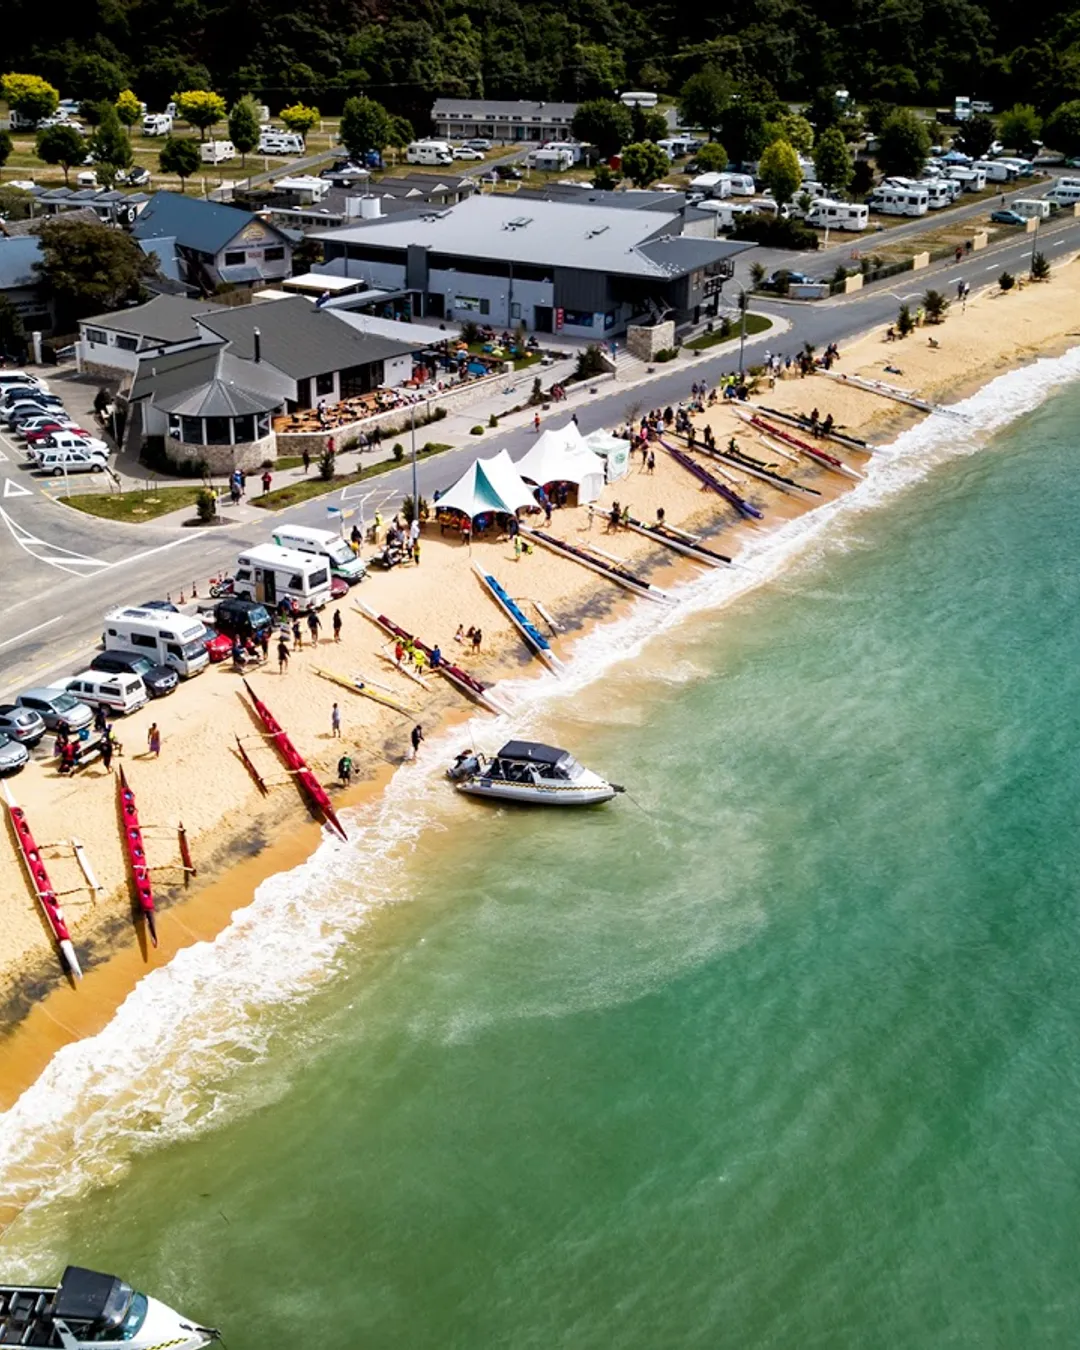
[[115, 690], [1061, 194], [271, 574], [898, 201], [157, 124], [1030, 207], [325, 544], [996, 170], [830, 214], [170, 639], [280, 142], [216, 152], [429, 152]]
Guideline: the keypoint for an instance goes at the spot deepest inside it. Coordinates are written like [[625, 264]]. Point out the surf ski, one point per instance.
[[43, 887], [133, 842]]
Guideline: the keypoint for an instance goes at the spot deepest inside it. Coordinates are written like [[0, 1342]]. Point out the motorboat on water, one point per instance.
[[91, 1311], [528, 771]]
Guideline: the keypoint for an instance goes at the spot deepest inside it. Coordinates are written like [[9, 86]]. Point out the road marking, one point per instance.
[[63, 558], [13, 489], [991, 268], [1060, 243], [149, 552], [30, 631]]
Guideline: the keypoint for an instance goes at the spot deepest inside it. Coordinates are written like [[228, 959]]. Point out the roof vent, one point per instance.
[[599, 229]]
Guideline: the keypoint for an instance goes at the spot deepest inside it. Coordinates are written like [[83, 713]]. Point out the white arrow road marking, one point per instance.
[[13, 489], [53, 554]]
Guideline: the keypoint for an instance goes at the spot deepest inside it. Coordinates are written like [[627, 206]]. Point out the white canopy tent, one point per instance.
[[488, 485], [562, 456], [614, 450]]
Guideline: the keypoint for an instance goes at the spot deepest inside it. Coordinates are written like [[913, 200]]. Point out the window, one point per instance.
[[263, 425], [296, 582], [192, 430], [485, 305], [324, 384], [578, 318], [235, 257], [274, 254], [244, 428], [97, 335], [141, 640], [174, 426], [218, 430], [173, 648], [127, 344], [515, 311]]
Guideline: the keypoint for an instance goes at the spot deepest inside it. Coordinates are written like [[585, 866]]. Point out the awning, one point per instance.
[[240, 273]]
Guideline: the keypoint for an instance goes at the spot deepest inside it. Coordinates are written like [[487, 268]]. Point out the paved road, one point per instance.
[[62, 570]]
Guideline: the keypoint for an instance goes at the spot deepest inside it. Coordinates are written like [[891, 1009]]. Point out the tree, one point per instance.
[[30, 96], [61, 144], [977, 135], [365, 125], [603, 123], [1019, 128], [1040, 268], [605, 178], [5, 147], [87, 267], [244, 126], [12, 333], [180, 155], [94, 77], [712, 158], [878, 112], [1062, 128], [745, 133], [798, 132], [903, 145], [779, 169], [647, 124], [832, 163], [200, 108], [904, 322], [704, 99], [643, 163], [400, 133], [823, 109], [110, 147], [1006, 281], [935, 304], [862, 178], [128, 109], [300, 118]]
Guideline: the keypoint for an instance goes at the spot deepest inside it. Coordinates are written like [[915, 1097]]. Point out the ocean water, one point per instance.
[[779, 1050]]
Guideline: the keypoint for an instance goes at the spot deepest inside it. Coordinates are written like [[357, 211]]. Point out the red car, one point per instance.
[[43, 433], [218, 646]]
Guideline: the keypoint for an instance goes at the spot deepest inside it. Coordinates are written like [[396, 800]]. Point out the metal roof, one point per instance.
[[196, 224], [541, 233], [165, 319], [492, 109], [687, 252], [171, 379], [217, 398]]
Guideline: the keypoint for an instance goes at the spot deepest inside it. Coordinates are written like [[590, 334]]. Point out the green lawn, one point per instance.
[[306, 488], [134, 507], [755, 323]]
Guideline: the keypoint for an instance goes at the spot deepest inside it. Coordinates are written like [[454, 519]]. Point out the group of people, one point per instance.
[[293, 626], [407, 653], [72, 750], [474, 636]]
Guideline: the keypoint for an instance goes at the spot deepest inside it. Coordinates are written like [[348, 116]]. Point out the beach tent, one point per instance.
[[614, 450], [562, 456], [488, 485]]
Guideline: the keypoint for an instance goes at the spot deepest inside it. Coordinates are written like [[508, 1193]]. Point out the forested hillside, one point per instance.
[[321, 51]]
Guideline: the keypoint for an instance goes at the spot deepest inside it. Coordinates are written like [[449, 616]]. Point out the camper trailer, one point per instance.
[[429, 152], [971, 180], [826, 213], [170, 639], [1032, 207], [740, 184], [996, 170], [271, 574], [900, 201], [555, 161], [216, 152]]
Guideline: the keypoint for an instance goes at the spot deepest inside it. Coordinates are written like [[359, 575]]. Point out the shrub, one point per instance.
[[477, 430], [326, 466], [775, 233], [1006, 281], [206, 505], [935, 305], [470, 332], [904, 322], [493, 421], [590, 363], [1040, 268], [725, 327], [666, 354], [399, 451], [758, 273], [407, 508], [537, 394]]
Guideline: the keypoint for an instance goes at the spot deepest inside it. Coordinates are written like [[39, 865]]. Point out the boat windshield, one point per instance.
[[135, 1317]]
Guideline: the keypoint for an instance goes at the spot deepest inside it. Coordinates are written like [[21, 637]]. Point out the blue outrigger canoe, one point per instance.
[[534, 639]]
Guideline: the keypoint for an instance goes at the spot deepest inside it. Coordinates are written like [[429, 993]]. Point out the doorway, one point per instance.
[[266, 585], [543, 318]]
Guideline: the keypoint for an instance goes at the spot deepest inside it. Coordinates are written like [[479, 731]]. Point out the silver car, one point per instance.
[[21, 724], [56, 706], [13, 756]]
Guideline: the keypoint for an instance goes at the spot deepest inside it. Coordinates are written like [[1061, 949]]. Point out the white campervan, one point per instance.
[[429, 152], [552, 160], [995, 170], [1064, 194], [216, 152], [727, 214], [157, 124], [273, 142], [175, 640], [900, 201], [115, 690], [833, 215], [970, 179], [325, 544], [1030, 207], [270, 574]]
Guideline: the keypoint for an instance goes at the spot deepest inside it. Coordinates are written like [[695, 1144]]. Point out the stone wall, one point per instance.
[[222, 459], [645, 340]]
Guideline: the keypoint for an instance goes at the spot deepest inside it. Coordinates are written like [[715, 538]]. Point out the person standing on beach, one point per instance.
[[314, 623], [297, 636], [335, 721], [337, 625], [153, 740], [477, 638], [107, 751], [536, 423], [416, 737], [282, 656], [344, 770], [264, 643]]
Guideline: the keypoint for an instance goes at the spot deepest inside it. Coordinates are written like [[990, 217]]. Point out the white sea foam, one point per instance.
[[161, 1069]]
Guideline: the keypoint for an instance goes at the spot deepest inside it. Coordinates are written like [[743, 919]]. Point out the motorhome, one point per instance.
[[1031, 207], [324, 544], [176, 640], [675, 146], [429, 152], [638, 98], [1062, 194], [157, 124], [1024, 167], [970, 179], [216, 152], [900, 201], [939, 191], [996, 170], [273, 142], [574, 149], [829, 214], [727, 213], [768, 206], [555, 161], [270, 574]]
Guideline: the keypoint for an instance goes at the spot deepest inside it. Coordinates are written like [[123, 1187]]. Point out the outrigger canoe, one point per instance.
[[745, 509], [356, 684], [296, 763], [613, 571], [133, 842], [534, 639], [821, 457], [687, 544], [43, 887]]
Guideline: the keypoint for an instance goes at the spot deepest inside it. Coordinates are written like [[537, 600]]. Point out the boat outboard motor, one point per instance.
[[464, 766]]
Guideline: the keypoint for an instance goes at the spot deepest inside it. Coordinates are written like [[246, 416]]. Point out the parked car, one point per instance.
[[23, 411], [45, 424], [159, 680], [218, 645], [509, 172], [13, 754], [1008, 218], [479, 143], [67, 440], [468, 152], [35, 437], [160, 604], [70, 461], [241, 618], [138, 177], [55, 706], [21, 724], [24, 392], [785, 277]]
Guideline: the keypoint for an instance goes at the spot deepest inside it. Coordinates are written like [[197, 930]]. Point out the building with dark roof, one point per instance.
[[20, 283], [585, 269], [215, 243], [109, 344], [502, 119]]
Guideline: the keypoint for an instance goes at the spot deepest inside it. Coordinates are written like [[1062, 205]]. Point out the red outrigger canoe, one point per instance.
[[296, 762], [43, 888], [133, 840]]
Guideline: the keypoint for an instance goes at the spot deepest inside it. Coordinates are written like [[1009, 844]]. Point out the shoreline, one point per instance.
[[247, 846]]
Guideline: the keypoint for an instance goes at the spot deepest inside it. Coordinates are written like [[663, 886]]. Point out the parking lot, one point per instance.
[[78, 394]]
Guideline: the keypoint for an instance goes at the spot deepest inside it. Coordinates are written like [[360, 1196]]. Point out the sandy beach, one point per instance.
[[238, 837]]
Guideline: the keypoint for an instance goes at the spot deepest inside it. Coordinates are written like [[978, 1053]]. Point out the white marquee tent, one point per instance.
[[562, 456], [488, 485], [614, 450]]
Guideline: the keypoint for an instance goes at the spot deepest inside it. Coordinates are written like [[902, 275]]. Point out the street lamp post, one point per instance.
[[1034, 246], [744, 303], [412, 427]]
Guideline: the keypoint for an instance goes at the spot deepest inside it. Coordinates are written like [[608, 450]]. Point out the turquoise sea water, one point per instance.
[[780, 1053]]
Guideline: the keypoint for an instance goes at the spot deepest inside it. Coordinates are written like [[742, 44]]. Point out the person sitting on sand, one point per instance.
[[933, 342], [459, 636]]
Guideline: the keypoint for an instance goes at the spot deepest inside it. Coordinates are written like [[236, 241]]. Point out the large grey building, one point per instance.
[[502, 119], [585, 270]]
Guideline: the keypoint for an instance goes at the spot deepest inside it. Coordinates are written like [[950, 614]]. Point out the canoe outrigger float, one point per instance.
[[613, 571], [821, 457], [43, 887], [680, 542], [534, 639], [356, 684], [892, 391], [133, 842], [462, 681], [745, 509], [296, 763], [756, 468], [803, 423]]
